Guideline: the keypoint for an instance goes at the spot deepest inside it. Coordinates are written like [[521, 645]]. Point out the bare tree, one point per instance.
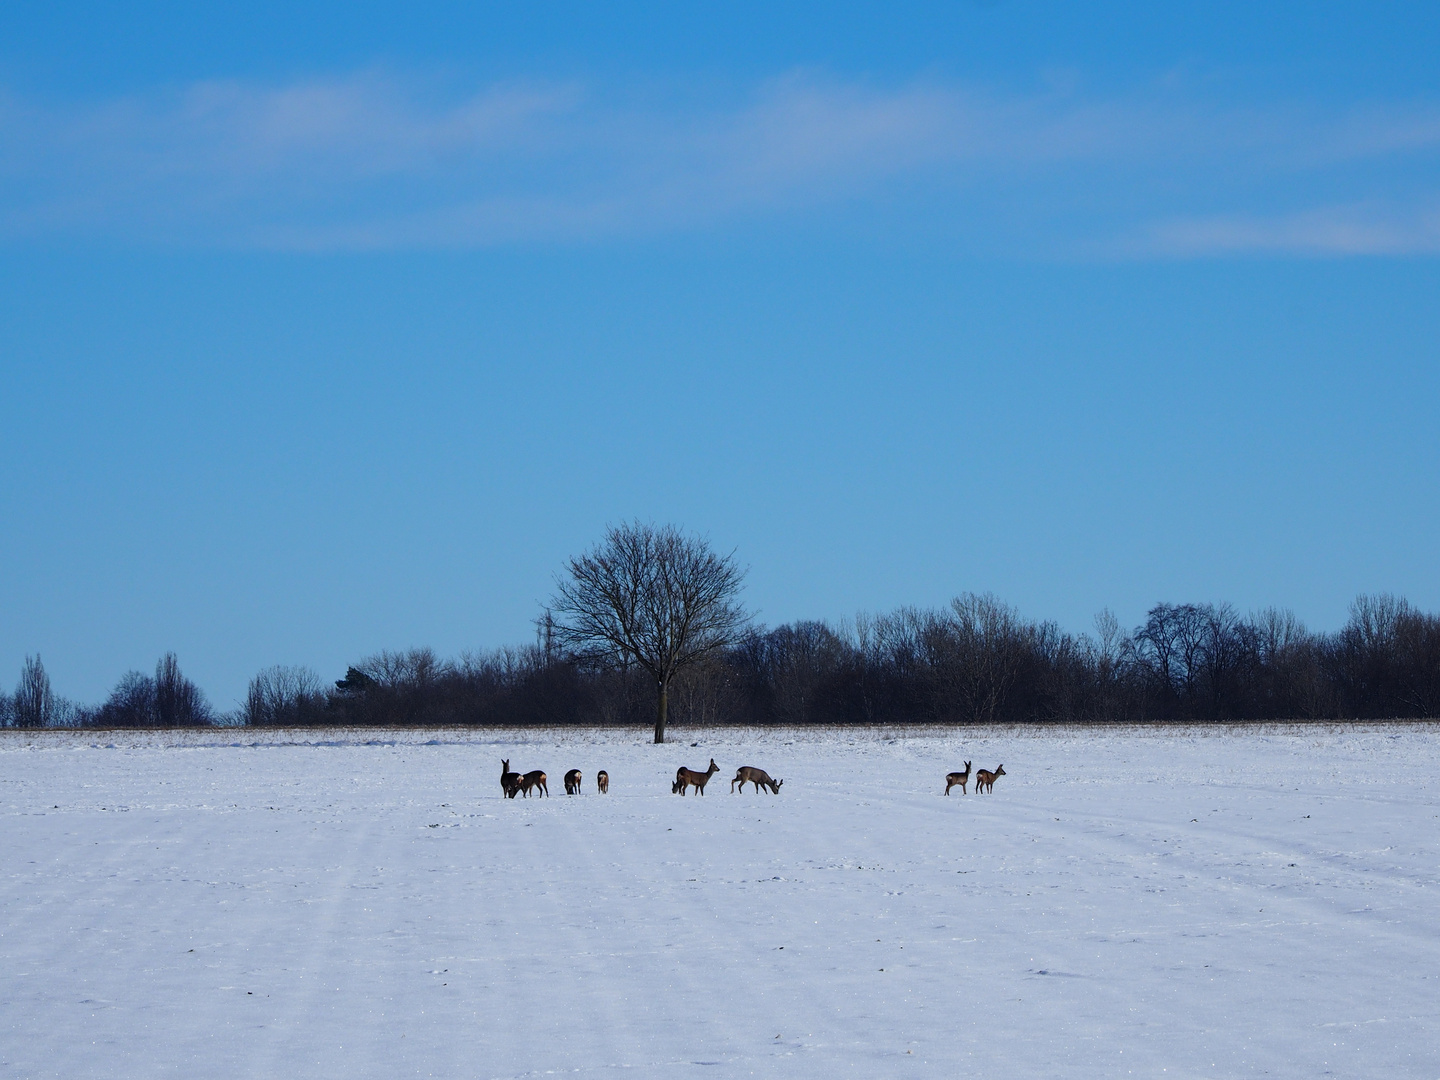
[[395, 687], [34, 704], [975, 649], [798, 661], [1172, 644], [1293, 682], [415, 670], [178, 701], [1226, 644], [1417, 652], [130, 705], [1112, 644], [283, 696], [652, 596]]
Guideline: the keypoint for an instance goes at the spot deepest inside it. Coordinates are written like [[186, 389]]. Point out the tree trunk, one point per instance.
[[660, 705]]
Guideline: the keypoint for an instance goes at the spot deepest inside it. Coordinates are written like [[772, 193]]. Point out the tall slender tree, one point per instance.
[[34, 704], [654, 597], [178, 701]]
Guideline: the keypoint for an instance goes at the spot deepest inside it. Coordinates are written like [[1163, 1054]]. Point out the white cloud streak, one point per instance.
[[1334, 230], [370, 161]]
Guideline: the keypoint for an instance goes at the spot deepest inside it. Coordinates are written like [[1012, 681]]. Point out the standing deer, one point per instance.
[[509, 781], [961, 778], [759, 777], [572, 782], [535, 778], [985, 779], [685, 777], [602, 782]]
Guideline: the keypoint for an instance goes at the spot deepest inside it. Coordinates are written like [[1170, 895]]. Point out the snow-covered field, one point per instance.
[[1191, 904]]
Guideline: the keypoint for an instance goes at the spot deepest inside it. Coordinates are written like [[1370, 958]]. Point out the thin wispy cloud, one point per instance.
[[375, 161], [1332, 230]]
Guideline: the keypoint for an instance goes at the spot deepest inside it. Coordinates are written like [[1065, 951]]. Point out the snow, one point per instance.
[[1191, 903]]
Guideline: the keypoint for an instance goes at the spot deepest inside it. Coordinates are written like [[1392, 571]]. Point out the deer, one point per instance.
[[961, 778], [509, 781], [985, 779], [759, 777], [535, 778], [685, 777], [572, 782], [602, 782]]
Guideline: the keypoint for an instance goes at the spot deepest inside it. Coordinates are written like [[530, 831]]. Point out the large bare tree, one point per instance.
[[649, 596]]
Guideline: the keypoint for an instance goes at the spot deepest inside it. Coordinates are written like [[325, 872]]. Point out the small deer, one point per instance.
[[572, 782], [685, 777], [985, 779], [602, 782], [759, 777], [535, 778], [509, 781], [960, 778]]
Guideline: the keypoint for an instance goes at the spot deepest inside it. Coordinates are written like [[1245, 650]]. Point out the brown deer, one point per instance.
[[985, 779], [960, 778], [535, 778], [602, 782], [509, 781], [572, 782], [685, 777], [748, 774]]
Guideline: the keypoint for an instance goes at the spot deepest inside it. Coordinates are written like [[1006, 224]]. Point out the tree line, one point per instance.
[[648, 625], [166, 700], [975, 660]]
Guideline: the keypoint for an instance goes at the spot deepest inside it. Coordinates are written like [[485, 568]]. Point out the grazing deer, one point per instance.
[[985, 779], [602, 782], [572, 782], [685, 777], [509, 781], [961, 778], [535, 778], [759, 777]]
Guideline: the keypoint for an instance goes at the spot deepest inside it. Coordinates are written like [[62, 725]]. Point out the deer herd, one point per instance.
[[514, 783]]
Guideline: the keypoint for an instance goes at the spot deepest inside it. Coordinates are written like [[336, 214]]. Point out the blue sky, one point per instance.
[[336, 330]]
